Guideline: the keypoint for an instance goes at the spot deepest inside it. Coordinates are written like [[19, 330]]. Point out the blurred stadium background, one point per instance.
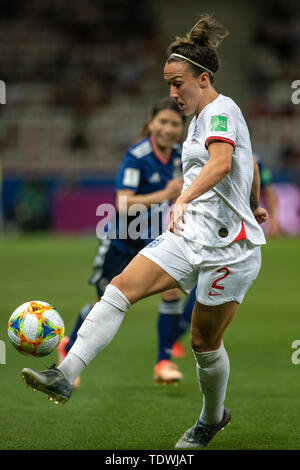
[[81, 76]]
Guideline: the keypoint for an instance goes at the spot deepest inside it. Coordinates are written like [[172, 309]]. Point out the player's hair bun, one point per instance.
[[200, 45], [207, 32]]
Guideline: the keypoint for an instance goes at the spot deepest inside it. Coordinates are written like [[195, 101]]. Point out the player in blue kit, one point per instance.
[[150, 174]]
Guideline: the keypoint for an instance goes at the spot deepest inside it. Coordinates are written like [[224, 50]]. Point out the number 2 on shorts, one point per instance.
[[215, 283]]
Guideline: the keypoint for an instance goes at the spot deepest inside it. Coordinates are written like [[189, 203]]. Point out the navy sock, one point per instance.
[[167, 325], [185, 318], [80, 319]]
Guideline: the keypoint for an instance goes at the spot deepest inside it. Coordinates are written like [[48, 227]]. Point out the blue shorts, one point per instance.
[[108, 263]]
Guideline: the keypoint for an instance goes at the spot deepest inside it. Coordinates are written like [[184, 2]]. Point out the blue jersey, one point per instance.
[[264, 173], [143, 172]]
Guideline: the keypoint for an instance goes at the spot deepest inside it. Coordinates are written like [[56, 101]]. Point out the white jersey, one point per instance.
[[221, 215]]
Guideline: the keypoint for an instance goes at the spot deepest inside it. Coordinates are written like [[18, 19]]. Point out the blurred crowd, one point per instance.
[[69, 68], [80, 52], [273, 66]]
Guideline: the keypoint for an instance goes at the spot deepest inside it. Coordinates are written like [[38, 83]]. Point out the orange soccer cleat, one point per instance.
[[166, 372], [178, 350], [61, 351]]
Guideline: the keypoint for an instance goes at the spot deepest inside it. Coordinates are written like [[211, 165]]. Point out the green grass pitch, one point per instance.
[[118, 406]]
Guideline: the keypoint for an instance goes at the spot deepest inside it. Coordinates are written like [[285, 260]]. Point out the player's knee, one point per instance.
[[116, 298], [117, 281], [202, 344], [171, 295], [122, 282]]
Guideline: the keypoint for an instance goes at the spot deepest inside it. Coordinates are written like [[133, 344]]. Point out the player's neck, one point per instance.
[[163, 153], [209, 95]]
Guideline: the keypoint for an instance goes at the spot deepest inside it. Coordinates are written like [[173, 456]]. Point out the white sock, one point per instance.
[[71, 367], [96, 332], [213, 372]]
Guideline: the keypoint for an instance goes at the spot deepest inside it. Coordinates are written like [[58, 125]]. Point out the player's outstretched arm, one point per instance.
[[126, 197]]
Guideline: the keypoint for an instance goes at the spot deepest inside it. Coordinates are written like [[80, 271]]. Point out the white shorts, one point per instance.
[[221, 274]]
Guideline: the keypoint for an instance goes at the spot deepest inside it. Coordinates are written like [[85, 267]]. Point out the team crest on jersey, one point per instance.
[[155, 178], [155, 242]]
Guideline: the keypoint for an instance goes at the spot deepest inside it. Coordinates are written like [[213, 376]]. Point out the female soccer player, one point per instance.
[[213, 239], [150, 173], [270, 200]]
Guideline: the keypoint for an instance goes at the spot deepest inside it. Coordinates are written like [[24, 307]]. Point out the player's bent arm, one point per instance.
[[217, 167], [125, 198], [255, 189], [259, 213]]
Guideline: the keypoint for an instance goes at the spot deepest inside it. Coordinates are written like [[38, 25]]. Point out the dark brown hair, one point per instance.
[[165, 103], [200, 44]]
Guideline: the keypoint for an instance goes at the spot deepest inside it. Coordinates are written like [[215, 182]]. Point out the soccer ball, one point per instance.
[[36, 328]]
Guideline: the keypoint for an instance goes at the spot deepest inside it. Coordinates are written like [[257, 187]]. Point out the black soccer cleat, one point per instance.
[[199, 435], [50, 381]]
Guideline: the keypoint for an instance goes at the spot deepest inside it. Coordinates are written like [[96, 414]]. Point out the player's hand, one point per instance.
[[261, 215], [177, 218], [173, 188]]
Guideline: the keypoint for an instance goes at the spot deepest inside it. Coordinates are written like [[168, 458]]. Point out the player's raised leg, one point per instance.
[[141, 278]]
